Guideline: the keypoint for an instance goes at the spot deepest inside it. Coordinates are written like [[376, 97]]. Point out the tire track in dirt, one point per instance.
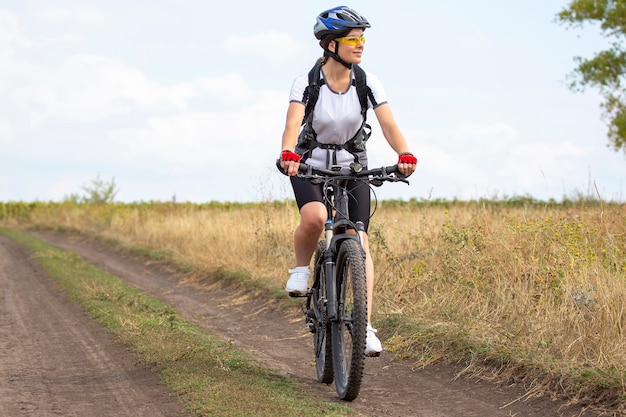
[[55, 361], [279, 340]]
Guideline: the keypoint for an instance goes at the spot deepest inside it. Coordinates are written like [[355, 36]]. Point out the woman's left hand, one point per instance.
[[407, 163]]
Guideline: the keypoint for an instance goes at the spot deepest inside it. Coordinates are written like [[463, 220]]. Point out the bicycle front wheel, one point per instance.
[[349, 330], [321, 336]]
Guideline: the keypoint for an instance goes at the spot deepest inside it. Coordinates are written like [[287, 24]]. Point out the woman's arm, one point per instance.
[[394, 136], [295, 114], [390, 129]]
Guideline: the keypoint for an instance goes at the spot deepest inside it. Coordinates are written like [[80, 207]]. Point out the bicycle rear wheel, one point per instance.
[[322, 336], [349, 331]]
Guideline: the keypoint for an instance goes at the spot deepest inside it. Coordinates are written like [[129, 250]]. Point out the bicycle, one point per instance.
[[336, 305]]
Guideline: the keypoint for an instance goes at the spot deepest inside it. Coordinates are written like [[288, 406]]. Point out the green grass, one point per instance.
[[208, 376]]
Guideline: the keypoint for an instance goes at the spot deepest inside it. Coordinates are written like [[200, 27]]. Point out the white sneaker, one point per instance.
[[373, 347], [298, 282]]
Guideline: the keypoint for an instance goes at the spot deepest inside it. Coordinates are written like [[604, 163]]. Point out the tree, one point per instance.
[[606, 71], [100, 191]]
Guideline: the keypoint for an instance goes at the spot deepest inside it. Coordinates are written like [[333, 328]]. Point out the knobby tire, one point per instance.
[[349, 332]]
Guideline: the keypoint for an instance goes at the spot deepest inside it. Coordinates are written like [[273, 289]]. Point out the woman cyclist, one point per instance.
[[336, 119]]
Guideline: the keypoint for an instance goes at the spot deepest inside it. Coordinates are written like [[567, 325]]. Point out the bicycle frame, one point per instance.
[[336, 199], [336, 306]]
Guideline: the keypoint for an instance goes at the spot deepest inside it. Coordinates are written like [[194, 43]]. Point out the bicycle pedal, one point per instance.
[[297, 295], [373, 355]]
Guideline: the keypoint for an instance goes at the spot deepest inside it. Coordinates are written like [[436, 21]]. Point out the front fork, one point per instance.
[[330, 266]]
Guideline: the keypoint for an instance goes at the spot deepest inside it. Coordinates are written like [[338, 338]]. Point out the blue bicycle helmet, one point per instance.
[[337, 20]]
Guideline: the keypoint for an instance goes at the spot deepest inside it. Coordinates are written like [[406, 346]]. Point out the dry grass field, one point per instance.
[[515, 289]]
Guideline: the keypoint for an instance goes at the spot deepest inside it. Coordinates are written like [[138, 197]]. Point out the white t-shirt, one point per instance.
[[336, 116]]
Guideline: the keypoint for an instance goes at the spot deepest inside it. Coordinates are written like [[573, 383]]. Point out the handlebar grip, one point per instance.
[[393, 169], [396, 171], [302, 169]]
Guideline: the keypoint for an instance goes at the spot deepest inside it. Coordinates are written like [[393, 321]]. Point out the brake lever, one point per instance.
[[401, 178]]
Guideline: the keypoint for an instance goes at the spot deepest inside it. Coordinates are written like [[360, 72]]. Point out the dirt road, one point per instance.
[[55, 362]]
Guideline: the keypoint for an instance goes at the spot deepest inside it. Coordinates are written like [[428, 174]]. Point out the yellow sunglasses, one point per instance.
[[352, 40]]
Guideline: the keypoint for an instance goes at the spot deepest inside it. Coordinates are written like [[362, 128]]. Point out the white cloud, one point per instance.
[[500, 129], [9, 30], [231, 88], [472, 141], [64, 186], [453, 165], [539, 163], [271, 46], [91, 88], [497, 156], [11, 38], [82, 15], [6, 131], [190, 140], [59, 40]]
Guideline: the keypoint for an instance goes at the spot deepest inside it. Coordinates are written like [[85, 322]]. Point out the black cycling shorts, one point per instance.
[[358, 197]]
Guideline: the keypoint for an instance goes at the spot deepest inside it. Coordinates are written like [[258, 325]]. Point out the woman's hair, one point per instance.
[[328, 38]]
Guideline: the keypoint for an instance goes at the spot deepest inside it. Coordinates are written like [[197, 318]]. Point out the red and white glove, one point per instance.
[[407, 158], [286, 156]]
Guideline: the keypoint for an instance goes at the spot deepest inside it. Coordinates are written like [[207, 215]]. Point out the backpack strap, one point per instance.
[[363, 90], [312, 92], [307, 139]]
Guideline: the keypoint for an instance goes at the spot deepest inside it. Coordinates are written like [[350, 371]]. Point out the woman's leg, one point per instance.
[[369, 278], [312, 217], [308, 232]]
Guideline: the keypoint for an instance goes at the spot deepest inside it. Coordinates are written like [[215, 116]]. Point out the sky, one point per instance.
[[186, 100]]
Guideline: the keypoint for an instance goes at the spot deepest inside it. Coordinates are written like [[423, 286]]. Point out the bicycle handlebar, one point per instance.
[[375, 175]]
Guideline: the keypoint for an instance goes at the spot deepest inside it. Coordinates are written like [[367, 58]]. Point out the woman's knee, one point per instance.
[[313, 216]]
